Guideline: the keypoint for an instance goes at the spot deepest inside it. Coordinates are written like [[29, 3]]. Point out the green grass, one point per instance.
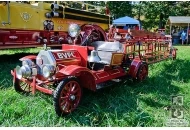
[[125, 104], [24, 50]]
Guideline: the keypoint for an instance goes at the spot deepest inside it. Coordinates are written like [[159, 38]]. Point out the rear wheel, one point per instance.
[[174, 54], [21, 86], [67, 96], [142, 72]]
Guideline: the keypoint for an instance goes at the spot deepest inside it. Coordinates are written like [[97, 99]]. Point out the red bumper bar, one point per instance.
[[32, 84]]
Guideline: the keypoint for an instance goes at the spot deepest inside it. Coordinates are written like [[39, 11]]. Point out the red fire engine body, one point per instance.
[[87, 63]]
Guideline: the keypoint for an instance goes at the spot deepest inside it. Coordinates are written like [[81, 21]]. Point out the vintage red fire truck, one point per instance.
[[89, 63]]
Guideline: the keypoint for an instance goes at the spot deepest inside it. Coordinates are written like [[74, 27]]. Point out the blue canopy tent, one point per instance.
[[125, 20]]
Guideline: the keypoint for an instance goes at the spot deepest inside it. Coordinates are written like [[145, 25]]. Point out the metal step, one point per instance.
[[107, 83]]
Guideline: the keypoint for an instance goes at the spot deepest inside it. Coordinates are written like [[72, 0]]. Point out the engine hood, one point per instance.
[[60, 55], [55, 57]]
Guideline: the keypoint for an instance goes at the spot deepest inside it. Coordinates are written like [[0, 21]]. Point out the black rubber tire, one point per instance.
[[57, 94], [18, 88]]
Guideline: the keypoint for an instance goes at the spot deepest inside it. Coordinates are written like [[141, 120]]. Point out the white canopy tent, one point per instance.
[[179, 21]]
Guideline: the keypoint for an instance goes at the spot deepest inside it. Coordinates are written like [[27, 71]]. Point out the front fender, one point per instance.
[[84, 75], [30, 57]]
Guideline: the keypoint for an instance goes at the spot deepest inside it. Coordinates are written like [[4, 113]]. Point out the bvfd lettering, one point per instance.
[[66, 55]]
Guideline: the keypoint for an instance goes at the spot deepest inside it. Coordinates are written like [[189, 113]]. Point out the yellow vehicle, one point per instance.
[[32, 24]]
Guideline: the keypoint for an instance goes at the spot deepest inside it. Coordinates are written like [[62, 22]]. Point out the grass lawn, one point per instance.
[[125, 104]]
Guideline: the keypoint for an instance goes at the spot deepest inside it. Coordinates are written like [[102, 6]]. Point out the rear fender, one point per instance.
[[84, 75], [133, 69]]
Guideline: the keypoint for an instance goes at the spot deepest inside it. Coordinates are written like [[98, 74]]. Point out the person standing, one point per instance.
[[183, 37]]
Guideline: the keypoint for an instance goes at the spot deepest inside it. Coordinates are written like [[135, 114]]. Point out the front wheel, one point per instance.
[[67, 96], [21, 86]]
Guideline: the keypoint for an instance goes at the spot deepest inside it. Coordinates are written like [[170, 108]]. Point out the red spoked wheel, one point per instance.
[[67, 96], [174, 54], [22, 87], [142, 72]]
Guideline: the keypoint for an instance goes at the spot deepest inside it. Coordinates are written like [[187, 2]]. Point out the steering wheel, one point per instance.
[[90, 35], [89, 39]]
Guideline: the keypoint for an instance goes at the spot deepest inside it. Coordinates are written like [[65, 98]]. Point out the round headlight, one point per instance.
[[18, 72], [23, 71], [74, 30], [27, 62], [48, 70]]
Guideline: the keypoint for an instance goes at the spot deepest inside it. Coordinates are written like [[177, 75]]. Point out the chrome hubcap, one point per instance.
[[72, 97]]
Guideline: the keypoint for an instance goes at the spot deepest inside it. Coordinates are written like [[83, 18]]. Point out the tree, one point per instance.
[[156, 13], [151, 14], [120, 8]]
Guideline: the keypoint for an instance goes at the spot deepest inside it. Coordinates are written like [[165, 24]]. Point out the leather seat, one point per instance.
[[105, 50], [107, 46]]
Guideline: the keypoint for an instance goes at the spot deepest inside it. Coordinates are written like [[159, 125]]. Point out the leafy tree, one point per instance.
[[151, 14], [120, 8], [156, 13]]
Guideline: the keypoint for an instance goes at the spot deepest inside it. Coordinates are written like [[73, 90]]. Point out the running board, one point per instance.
[[107, 83]]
